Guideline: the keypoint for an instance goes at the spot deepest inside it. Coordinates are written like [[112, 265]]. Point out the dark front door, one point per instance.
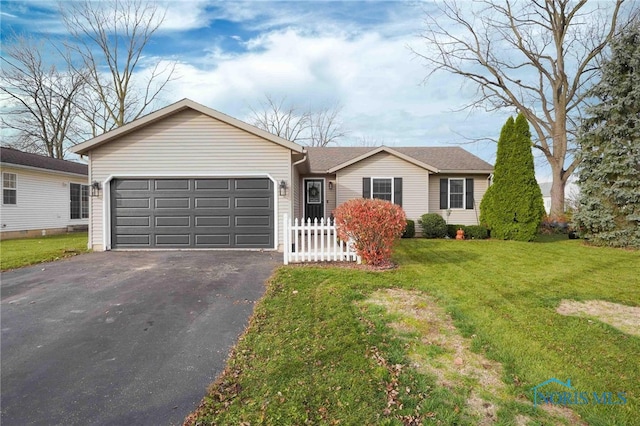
[[314, 198]]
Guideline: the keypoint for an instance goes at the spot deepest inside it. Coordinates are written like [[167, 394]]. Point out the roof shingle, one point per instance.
[[441, 158], [13, 156]]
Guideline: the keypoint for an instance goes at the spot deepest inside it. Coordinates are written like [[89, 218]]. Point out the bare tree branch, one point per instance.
[[310, 128], [325, 127], [283, 120], [42, 98], [111, 38], [539, 56]]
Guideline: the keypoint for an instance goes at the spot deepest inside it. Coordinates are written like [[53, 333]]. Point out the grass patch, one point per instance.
[[318, 351], [29, 251]]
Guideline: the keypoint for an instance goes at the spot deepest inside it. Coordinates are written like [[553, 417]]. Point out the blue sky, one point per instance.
[[356, 54]]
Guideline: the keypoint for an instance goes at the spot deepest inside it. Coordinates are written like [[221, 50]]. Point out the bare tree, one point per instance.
[[537, 56], [326, 127], [369, 141], [40, 98], [281, 119], [310, 128], [111, 38]]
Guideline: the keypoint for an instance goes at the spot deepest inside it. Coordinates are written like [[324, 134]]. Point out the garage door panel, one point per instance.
[[172, 184], [173, 240], [249, 184], [173, 203], [173, 221], [213, 203], [252, 203], [143, 221], [134, 240], [253, 221], [213, 240], [197, 213], [212, 184], [128, 185], [133, 203], [252, 240], [216, 221]]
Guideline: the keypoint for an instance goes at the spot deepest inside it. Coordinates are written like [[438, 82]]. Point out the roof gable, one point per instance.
[[10, 156], [433, 159], [378, 150], [172, 109]]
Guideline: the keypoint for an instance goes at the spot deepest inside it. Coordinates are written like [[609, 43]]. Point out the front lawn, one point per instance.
[[29, 251], [460, 333]]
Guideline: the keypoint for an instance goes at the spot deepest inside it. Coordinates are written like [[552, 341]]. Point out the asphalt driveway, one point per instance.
[[122, 338]]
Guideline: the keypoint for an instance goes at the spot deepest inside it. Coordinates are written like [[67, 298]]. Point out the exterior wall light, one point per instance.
[[95, 188], [283, 188]]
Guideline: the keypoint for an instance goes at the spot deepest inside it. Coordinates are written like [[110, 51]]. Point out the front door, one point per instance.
[[314, 198]]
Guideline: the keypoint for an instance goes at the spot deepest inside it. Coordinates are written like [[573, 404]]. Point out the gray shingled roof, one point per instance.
[[442, 158], [13, 156]]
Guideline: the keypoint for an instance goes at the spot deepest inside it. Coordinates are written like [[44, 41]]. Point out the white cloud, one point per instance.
[[185, 15], [375, 78]]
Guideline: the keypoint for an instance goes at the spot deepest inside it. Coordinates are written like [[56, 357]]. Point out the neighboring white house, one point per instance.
[[41, 195], [571, 192]]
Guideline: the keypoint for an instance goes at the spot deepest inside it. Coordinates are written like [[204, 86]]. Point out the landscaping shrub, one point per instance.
[[471, 232], [476, 232], [372, 225], [433, 226], [410, 229]]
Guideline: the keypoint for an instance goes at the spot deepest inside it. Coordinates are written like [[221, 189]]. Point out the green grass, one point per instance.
[[313, 354], [29, 251]]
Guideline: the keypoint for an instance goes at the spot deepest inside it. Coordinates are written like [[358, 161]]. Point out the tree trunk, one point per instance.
[[559, 176], [557, 191]]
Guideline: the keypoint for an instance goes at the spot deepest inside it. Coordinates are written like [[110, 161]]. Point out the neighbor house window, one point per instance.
[[456, 193], [382, 189], [79, 201], [9, 188]]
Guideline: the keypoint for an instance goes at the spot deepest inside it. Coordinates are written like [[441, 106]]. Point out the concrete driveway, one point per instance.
[[122, 338]]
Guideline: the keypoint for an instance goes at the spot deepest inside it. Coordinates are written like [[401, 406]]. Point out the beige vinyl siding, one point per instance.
[[42, 201], [330, 194], [189, 144], [415, 181], [295, 189], [458, 216]]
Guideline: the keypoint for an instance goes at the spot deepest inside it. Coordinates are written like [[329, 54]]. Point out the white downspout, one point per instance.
[[299, 161]]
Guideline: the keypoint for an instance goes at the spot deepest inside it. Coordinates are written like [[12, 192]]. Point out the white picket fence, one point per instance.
[[315, 241]]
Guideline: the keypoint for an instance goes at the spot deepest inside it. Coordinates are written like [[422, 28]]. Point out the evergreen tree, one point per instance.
[[512, 206], [609, 177]]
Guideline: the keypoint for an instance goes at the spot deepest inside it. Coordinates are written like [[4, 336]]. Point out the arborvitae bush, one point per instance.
[[373, 225], [433, 226], [512, 208]]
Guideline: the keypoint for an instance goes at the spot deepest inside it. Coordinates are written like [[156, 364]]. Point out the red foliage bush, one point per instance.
[[372, 225]]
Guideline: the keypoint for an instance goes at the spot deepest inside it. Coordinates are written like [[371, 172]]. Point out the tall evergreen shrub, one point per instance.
[[512, 207]]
